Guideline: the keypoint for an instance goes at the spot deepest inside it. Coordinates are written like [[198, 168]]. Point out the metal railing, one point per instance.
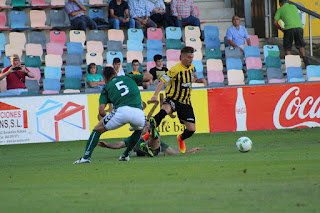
[[310, 13]]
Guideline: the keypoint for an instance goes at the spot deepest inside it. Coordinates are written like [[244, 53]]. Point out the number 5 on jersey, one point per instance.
[[120, 87]]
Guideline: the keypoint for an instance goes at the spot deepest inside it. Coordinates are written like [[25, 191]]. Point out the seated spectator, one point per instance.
[[16, 76], [236, 34], [158, 71], [78, 19], [135, 71], [139, 12], [117, 65], [119, 14], [184, 11], [93, 79], [158, 13]]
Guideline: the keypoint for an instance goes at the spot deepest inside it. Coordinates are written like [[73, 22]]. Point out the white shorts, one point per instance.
[[123, 115]]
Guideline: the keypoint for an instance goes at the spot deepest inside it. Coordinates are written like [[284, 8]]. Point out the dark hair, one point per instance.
[[134, 61], [187, 49], [90, 66], [157, 57], [116, 60], [108, 72], [282, 1]]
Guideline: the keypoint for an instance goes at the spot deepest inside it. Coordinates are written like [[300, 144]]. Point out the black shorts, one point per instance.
[[184, 111], [295, 34]]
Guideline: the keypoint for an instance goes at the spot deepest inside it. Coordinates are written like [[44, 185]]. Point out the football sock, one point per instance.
[[92, 143], [157, 135], [132, 142], [186, 134], [158, 117]]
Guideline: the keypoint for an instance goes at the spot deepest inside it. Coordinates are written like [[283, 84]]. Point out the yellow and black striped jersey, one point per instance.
[[179, 79]]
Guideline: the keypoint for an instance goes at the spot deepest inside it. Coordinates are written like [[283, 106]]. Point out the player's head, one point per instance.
[[186, 56], [108, 73], [158, 60], [135, 64], [281, 2], [15, 60], [92, 68], [116, 64], [235, 21]]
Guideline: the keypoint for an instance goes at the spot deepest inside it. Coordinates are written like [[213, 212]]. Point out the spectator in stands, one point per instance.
[[237, 34], [135, 71], [158, 13], [117, 65], [78, 19], [16, 76], [293, 28], [93, 79], [184, 11], [139, 12], [158, 71], [119, 14]]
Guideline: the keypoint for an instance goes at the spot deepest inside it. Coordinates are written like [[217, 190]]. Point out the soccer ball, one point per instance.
[[244, 144]]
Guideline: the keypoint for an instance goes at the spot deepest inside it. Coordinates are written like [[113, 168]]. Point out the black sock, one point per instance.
[[158, 117], [186, 134]]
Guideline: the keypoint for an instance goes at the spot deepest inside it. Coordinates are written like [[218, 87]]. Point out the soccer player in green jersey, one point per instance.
[[123, 93]]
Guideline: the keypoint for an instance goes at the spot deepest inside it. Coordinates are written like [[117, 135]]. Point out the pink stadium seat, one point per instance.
[[94, 58], [171, 64], [173, 55], [58, 37], [71, 91], [131, 55], [154, 33], [253, 63], [77, 36], [36, 72], [95, 47], [277, 81], [3, 85], [55, 48], [18, 39], [214, 64], [116, 35], [254, 40], [150, 65], [235, 77], [50, 92], [57, 2], [38, 19], [34, 49], [53, 61], [38, 2], [215, 76], [3, 20], [95, 2]]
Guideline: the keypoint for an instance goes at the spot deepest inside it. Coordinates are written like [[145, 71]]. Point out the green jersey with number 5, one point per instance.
[[122, 91]]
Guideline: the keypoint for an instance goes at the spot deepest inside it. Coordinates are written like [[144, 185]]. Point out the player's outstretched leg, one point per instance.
[[132, 142], [158, 117], [146, 149], [186, 134]]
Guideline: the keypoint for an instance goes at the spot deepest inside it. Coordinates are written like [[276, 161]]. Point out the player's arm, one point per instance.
[[118, 145], [172, 151], [147, 77], [163, 80], [102, 112], [157, 91]]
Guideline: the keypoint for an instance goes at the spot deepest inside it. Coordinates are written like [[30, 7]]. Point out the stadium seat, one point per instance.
[[75, 48], [98, 13], [253, 63], [94, 58], [55, 48], [34, 49], [6, 61], [38, 19], [129, 68], [215, 77], [197, 55], [51, 85], [173, 55], [18, 39], [173, 44], [58, 37], [116, 35], [233, 52], [151, 53], [211, 31], [273, 62], [313, 72], [292, 61], [199, 75], [32, 85], [134, 45], [72, 83], [111, 55], [36, 72], [3, 3], [251, 51], [74, 59], [254, 40], [97, 35], [38, 37], [213, 53], [274, 73], [214, 64], [153, 44], [192, 32], [295, 74], [53, 61], [234, 64], [95, 47], [213, 43], [115, 46], [95, 2], [281, 81], [36, 3], [194, 42], [135, 34], [235, 77], [255, 76], [150, 65], [173, 33], [18, 20], [154, 33], [11, 49], [33, 61], [52, 72], [73, 72], [2, 41], [77, 36], [57, 2], [131, 55], [271, 50], [198, 66], [171, 64], [18, 3], [58, 18], [3, 21]]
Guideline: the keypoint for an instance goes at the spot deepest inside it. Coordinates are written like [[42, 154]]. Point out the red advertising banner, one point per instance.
[[264, 107]]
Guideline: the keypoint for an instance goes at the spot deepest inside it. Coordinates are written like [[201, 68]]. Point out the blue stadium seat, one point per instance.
[[234, 64], [135, 34], [211, 37], [274, 73], [18, 3], [72, 83], [313, 71], [6, 61], [2, 41], [111, 55], [74, 59], [115, 46], [233, 52], [198, 66], [51, 84], [18, 20], [134, 45], [32, 85], [75, 48], [255, 76], [152, 53], [52, 72], [73, 72], [97, 35], [38, 37], [295, 74], [58, 18], [271, 50], [98, 13], [251, 51], [173, 33], [273, 62], [213, 53], [153, 44]]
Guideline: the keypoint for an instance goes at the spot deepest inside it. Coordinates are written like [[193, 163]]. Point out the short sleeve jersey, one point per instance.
[[158, 73], [93, 78], [179, 79], [288, 13], [122, 91]]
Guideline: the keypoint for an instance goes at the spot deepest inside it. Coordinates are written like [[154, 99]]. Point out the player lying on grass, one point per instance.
[[149, 144]]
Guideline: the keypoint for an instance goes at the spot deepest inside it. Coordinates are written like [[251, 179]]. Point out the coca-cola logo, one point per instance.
[[296, 110]]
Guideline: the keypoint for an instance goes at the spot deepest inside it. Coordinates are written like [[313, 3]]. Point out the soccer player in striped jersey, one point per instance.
[[178, 95]]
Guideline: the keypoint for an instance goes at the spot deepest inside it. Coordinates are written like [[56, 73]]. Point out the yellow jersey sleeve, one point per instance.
[[171, 73]]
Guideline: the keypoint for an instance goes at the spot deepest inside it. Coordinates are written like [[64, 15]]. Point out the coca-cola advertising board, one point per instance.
[[264, 107]]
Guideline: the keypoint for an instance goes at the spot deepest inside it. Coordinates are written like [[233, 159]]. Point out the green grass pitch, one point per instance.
[[280, 174]]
